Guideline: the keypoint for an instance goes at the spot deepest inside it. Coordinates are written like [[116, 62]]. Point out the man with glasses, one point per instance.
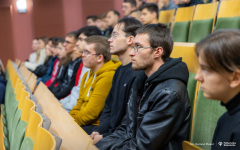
[[111, 19], [116, 103], [65, 80], [70, 41], [128, 6], [158, 113], [95, 84], [70, 101]]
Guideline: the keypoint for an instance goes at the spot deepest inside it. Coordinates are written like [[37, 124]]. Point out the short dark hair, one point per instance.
[[159, 35], [56, 40], [151, 7], [93, 17], [114, 12], [130, 25], [220, 50], [73, 34], [132, 2], [89, 31], [101, 46]]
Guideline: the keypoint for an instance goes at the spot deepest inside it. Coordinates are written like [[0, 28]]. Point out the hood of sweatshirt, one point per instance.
[[109, 66], [173, 68]]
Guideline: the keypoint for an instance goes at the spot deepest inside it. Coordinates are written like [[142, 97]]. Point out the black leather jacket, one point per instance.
[[164, 117]]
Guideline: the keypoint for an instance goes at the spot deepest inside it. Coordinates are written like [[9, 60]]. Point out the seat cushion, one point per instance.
[[200, 29], [228, 23], [180, 31]]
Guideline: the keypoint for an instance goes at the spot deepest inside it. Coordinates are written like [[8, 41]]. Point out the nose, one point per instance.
[[110, 39], [132, 53], [198, 76]]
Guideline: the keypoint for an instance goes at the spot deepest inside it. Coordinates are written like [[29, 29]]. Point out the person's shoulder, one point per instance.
[[171, 87]]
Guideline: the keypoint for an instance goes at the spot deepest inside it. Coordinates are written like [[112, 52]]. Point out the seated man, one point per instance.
[[116, 102], [128, 6], [149, 13], [158, 113], [66, 82], [95, 84], [70, 101], [111, 20]]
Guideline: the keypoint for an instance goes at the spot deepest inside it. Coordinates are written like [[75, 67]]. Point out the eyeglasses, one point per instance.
[[115, 35], [67, 42], [86, 52], [136, 48]]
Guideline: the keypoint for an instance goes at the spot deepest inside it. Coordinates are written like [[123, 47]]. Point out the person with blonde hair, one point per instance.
[[38, 57]]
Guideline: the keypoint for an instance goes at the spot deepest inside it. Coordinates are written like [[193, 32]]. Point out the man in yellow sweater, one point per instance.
[[95, 84]]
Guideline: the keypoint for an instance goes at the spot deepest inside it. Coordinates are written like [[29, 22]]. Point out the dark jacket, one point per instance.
[[42, 69], [47, 76], [66, 81], [164, 117]]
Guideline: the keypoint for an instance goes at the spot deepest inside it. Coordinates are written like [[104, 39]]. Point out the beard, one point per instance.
[[137, 67]]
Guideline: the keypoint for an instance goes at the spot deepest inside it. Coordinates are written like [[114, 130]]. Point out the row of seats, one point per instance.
[[19, 128], [205, 112], [192, 24], [39, 112]]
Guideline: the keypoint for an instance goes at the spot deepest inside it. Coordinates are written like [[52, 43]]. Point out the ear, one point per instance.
[[130, 40], [235, 80], [158, 52], [100, 58]]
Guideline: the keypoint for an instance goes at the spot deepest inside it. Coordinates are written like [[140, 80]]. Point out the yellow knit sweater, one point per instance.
[[93, 93]]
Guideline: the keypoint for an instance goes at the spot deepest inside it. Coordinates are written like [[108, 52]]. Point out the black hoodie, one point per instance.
[[158, 114]]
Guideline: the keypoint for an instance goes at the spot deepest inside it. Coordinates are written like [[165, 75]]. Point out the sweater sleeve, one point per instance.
[[91, 112]]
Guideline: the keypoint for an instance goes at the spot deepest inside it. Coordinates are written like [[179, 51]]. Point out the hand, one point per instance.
[[97, 138], [93, 134]]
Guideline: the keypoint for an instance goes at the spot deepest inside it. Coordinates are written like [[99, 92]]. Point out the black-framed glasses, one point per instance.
[[137, 48], [87, 52]]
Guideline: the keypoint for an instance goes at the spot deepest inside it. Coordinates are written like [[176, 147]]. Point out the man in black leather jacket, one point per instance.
[[158, 113]]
